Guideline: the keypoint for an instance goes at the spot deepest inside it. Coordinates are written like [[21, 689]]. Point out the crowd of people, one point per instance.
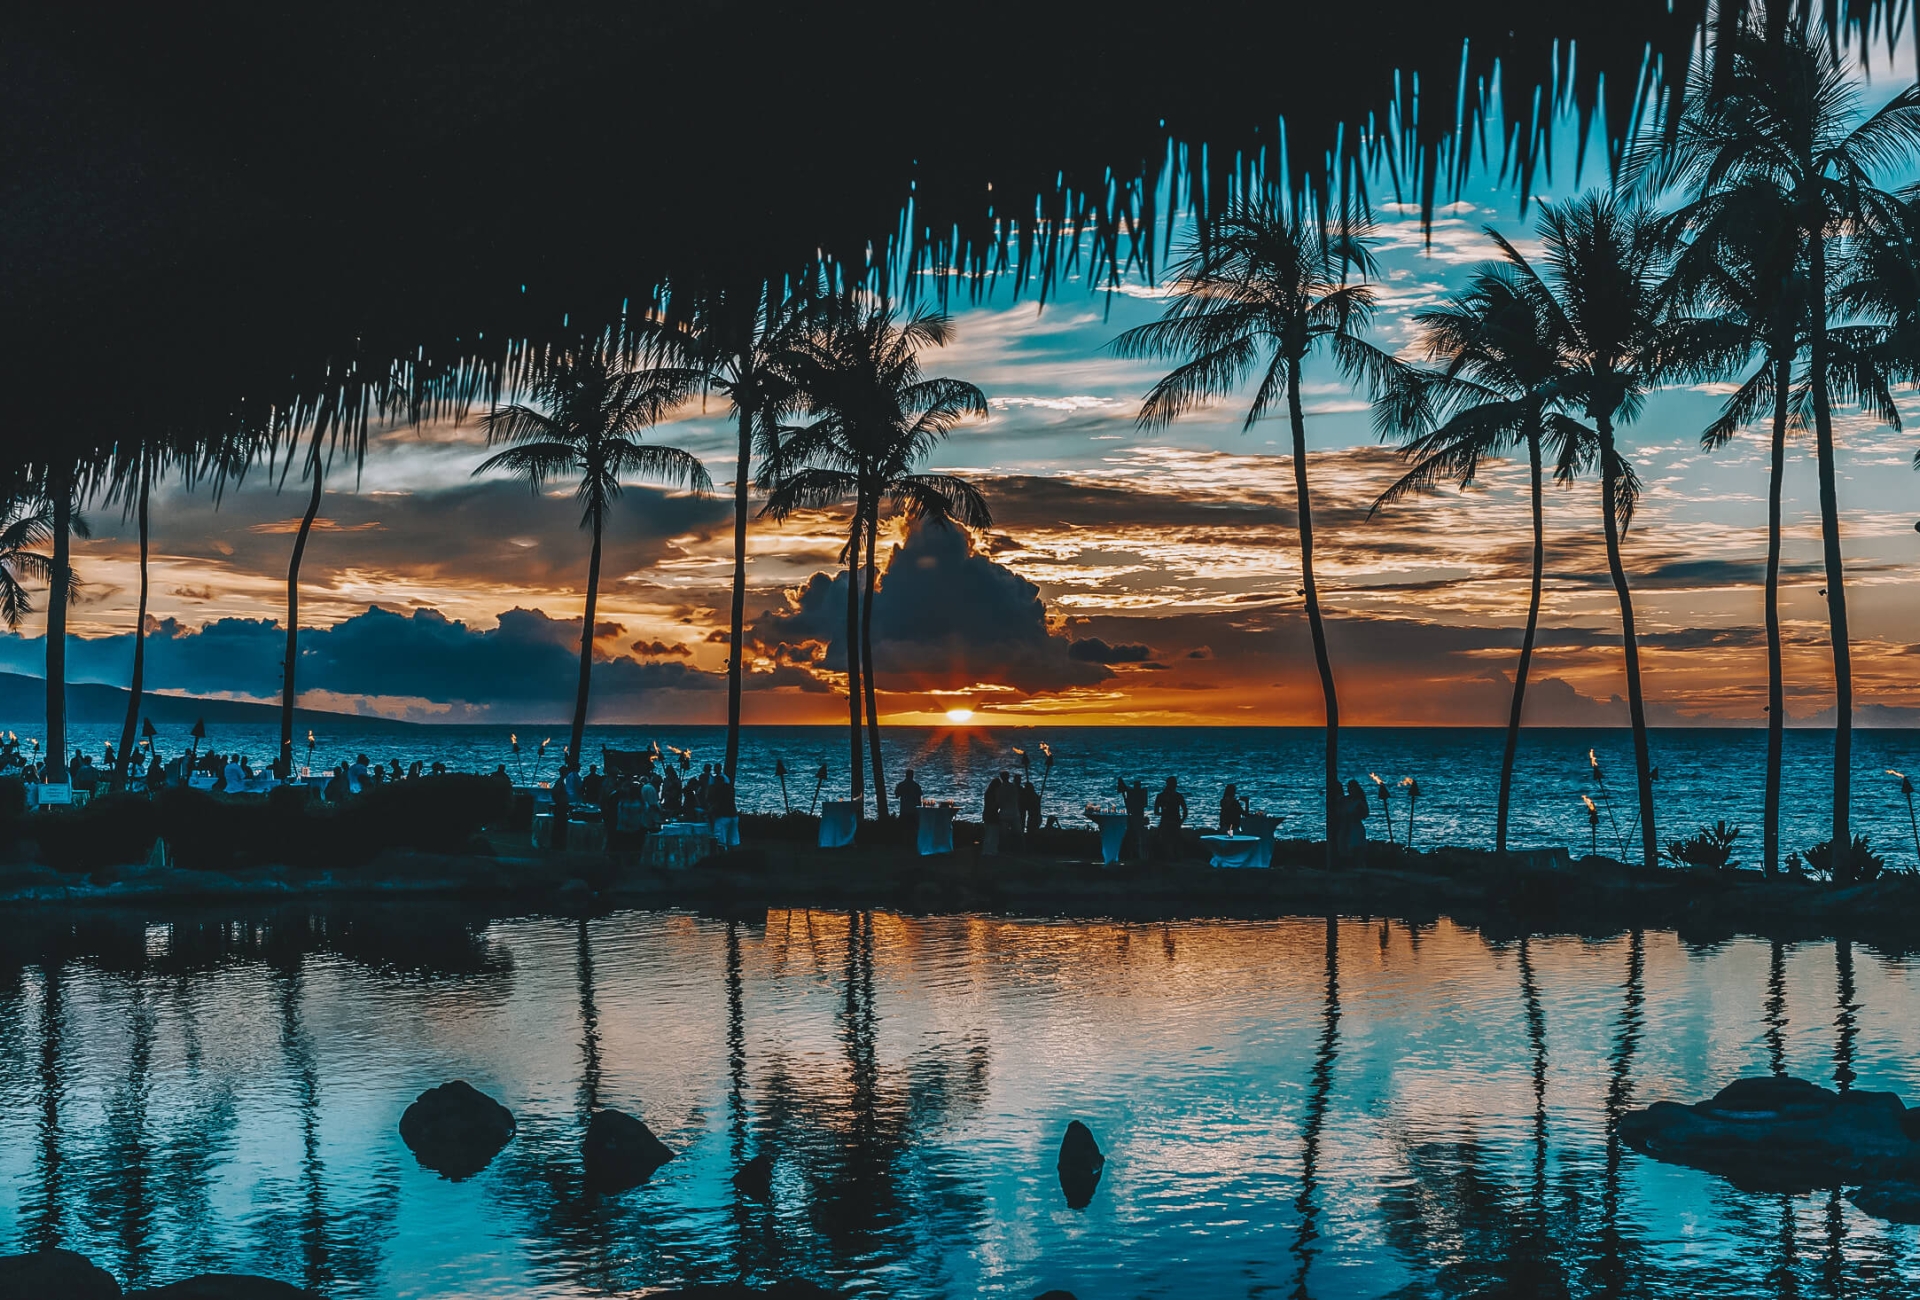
[[636, 801]]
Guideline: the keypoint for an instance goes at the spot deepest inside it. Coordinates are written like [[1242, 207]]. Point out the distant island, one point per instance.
[[94, 703]]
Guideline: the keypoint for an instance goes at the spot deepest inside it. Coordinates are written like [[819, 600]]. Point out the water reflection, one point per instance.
[[1310, 1107]]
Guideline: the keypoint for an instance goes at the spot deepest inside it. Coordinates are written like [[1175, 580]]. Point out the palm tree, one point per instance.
[[1785, 112], [1498, 378], [735, 337], [27, 523], [592, 409], [1742, 258], [66, 474], [1261, 291], [146, 458], [876, 419], [1609, 311]]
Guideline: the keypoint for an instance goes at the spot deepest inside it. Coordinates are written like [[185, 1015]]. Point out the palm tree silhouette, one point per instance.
[[876, 420], [1742, 258], [592, 410], [1498, 378], [1607, 297], [1261, 290], [1786, 114], [736, 336], [26, 525]]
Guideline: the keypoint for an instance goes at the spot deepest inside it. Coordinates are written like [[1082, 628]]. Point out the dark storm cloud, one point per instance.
[[489, 532], [529, 662], [1026, 501], [1095, 651], [944, 617]]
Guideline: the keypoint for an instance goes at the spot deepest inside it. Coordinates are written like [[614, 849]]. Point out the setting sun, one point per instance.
[[959, 715]]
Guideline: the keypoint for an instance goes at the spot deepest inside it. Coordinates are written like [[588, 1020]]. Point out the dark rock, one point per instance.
[[790, 1289], [1894, 1199], [756, 1177], [1782, 1135], [1056, 1295], [621, 1152], [224, 1286], [47, 1273], [456, 1129], [1080, 1165]]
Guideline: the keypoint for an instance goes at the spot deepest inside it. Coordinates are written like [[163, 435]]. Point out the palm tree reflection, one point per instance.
[[1611, 1267], [1775, 1014], [1318, 1095], [44, 1217]]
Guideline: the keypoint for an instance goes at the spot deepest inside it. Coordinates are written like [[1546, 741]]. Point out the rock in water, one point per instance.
[[225, 1286], [1783, 1135], [456, 1129], [1080, 1165], [621, 1152], [755, 1178], [44, 1274]]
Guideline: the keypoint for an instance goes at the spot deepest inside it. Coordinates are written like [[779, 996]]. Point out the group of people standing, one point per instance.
[[1009, 813]]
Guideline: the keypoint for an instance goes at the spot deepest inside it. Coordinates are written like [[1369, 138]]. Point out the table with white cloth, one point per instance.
[[935, 833], [837, 823], [543, 830], [1234, 850], [726, 832], [678, 845], [200, 782], [586, 836], [1262, 825], [1113, 834]]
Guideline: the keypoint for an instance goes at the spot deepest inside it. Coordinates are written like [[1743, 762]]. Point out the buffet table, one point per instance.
[[1261, 825], [1236, 850], [837, 823], [1113, 833], [935, 829]]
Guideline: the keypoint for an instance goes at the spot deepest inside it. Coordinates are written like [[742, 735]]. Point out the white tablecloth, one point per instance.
[[936, 829], [837, 823], [543, 830], [1113, 833], [586, 836], [726, 832], [1262, 825], [679, 844], [1235, 850]]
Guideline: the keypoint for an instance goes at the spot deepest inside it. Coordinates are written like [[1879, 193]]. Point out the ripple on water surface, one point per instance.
[[1364, 1108]]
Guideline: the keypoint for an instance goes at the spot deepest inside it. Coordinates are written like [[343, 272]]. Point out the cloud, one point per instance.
[[1095, 651], [944, 617]]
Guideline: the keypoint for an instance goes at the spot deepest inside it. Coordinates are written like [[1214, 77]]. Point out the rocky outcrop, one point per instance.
[[1080, 1164], [1789, 1135], [456, 1129], [41, 1274], [755, 1177], [620, 1152], [224, 1286]]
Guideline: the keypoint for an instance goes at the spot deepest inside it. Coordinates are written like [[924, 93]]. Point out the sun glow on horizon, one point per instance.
[[960, 715]]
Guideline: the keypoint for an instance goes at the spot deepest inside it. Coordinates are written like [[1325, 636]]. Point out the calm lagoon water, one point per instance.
[[1705, 775], [1296, 1107]]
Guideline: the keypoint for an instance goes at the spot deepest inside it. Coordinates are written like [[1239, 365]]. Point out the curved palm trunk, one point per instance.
[[287, 665], [855, 769], [1299, 422], [1636, 706], [1836, 573], [737, 628], [135, 684], [1526, 649], [1776, 688], [866, 668], [61, 579], [579, 731]]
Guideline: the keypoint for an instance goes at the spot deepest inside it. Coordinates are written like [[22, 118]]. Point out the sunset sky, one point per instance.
[[1129, 577]]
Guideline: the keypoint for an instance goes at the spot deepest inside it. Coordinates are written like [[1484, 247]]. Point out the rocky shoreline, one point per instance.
[[1544, 891]]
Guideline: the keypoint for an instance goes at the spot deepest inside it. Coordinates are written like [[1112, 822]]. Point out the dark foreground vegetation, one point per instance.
[[456, 838]]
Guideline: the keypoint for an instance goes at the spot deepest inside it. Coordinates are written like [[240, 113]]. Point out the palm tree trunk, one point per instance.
[[737, 633], [287, 666], [1636, 706], [129, 727], [586, 647], [1776, 688], [866, 668], [1836, 574], [856, 772], [1526, 649], [1299, 420], [61, 485]]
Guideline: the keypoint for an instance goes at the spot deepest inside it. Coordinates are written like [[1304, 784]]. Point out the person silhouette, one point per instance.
[[1134, 798], [908, 795], [1171, 806]]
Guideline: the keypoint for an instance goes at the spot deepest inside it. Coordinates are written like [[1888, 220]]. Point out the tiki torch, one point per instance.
[[309, 771], [780, 770], [1906, 788], [1380, 787], [1593, 826], [819, 779], [1413, 800]]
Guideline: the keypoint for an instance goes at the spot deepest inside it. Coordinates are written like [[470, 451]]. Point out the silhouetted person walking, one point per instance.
[[1134, 798], [1030, 806]]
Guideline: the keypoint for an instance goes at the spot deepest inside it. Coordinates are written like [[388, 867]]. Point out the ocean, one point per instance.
[[1705, 776]]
